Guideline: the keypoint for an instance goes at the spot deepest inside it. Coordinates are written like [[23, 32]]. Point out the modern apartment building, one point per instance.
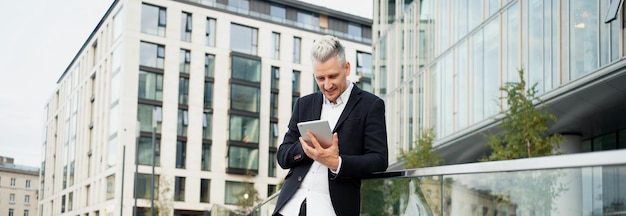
[[18, 188], [439, 65], [210, 83]]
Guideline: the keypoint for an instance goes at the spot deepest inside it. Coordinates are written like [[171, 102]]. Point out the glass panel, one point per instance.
[[210, 32], [184, 61], [244, 129], [144, 151], [243, 158], [185, 27], [278, 13], [152, 20], [209, 65], [145, 115], [151, 55], [206, 157], [208, 95], [243, 39], [271, 167], [492, 68], [245, 98], [179, 189], [246, 69], [144, 181], [183, 91], [583, 37], [275, 77], [205, 190], [181, 154], [275, 45], [297, 43], [150, 86], [206, 125], [295, 87]]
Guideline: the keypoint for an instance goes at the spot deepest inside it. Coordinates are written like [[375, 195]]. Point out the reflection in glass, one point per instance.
[[244, 129]]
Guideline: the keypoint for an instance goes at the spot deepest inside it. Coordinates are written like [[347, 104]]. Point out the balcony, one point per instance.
[[573, 184]]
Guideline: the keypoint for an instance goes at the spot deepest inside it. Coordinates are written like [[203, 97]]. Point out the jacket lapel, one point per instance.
[[355, 96]]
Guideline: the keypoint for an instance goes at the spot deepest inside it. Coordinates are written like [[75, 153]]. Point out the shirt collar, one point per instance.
[[345, 95]]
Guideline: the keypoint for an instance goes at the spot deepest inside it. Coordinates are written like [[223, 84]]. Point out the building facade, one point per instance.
[[18, 188], [208, 84], [440, 64]]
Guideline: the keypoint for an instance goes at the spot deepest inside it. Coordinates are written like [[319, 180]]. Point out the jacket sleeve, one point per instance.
[[290, 152]]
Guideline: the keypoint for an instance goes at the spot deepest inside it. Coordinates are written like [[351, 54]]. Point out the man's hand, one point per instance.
[[327, 156]]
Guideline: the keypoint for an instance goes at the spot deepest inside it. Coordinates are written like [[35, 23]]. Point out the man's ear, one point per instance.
[[347, 68]]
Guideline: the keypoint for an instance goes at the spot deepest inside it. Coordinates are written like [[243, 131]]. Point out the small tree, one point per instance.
[[163, 205], [423, 155], [525, 126]]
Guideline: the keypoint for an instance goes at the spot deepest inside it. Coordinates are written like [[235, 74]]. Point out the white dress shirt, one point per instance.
[[314, 186]]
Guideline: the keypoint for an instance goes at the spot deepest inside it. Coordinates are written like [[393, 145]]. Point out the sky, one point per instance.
[[38, 40]]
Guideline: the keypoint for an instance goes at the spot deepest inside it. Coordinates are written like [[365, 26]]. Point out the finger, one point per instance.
[[305, 146], [316, 144]]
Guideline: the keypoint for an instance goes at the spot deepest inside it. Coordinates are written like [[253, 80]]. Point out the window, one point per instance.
[[205, 190], [271, 189], [27, 199], [244, 129], [144, 151], [185, 25], [275, 45], [153, 20], [274, 105], [206, 157], [183, 90], [150, 86], [354, 31], [278, 13], [179, 189], [234, 191], [110, 187], [243, 158], [296, 49], [144, 182], [146, 114], [273, 134], [295, 82], [12, 182], [275, 77], [181, 154], [70, 200], [308, 20], [25, 212], [151, 55], [208, 95], [245, 98], [27, 184], [11, 212], [209, 65], [182, 122], [243, 39], [271, 164], [12, 198], [239, 6], [210, 32], [206, 125], [246, 69], [364, 70], [185, 61]]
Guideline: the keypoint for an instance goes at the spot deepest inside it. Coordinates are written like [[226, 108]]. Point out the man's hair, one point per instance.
[[327, 47]]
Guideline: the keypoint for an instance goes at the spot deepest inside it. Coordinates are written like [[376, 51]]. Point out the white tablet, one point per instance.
[[319, 128]]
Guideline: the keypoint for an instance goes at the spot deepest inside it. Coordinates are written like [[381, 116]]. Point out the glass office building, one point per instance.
[[439, 65]]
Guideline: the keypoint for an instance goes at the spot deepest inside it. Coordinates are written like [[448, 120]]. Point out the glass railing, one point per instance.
[[574, 184]]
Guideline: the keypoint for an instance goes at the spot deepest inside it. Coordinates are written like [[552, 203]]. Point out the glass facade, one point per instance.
[[458, 54]]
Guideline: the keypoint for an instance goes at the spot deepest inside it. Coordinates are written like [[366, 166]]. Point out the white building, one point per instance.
[[221, 77], [18, 188]]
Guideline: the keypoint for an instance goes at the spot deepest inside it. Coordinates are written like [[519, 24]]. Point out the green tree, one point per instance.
[[524, 126], [423, 155]]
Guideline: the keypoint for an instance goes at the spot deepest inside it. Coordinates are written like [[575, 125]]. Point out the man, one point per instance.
[[327, 181]]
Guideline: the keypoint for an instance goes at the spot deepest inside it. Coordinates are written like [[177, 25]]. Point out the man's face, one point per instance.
[[331, 77]]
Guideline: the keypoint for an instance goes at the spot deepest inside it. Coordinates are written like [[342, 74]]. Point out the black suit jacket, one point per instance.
[[362, 135]]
